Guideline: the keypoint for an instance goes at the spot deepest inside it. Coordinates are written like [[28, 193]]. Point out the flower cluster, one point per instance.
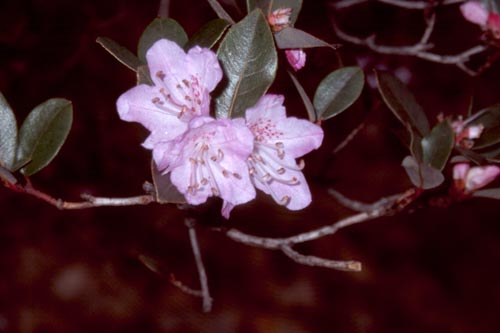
[[469, 179], [226, 158]]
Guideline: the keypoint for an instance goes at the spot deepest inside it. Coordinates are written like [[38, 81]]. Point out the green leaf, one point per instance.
[[43, 133], [209, 34], [489, 118], [438, 144], [143, 76], [402, 103], [166, 192], [160, 28], [219, 10], [472, 156], [8, 135], [249, 61], [291, 38], [337, 91], [305, 99], [268, 6], [421, 175], [492, 193], [121, 53]]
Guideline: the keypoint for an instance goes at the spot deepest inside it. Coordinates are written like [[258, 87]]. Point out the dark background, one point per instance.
[[432, 270]]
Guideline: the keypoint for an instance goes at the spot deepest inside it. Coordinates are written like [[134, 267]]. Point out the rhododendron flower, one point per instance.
[[474, 12], [279, 140], [209, 159], [279, 19], [469, 179], [296, 58], [477, 13], [464, 134], [182, 83]]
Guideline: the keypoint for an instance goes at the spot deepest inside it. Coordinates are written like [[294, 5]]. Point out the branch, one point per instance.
[[207, 299], [408, 4], [390, 204], [89, 200], [419, 50]]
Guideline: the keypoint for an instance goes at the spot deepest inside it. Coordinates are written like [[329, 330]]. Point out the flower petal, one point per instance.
[[136, 105], [296, 58], [479, 177], [474, 12], [203, 64]]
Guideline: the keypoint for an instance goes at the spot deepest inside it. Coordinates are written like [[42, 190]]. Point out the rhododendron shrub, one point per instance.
[[233, 116]]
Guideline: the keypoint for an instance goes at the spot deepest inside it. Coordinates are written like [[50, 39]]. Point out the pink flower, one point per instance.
[[279, 140], [279, 19], [493, 24], [469, 179], [209, 159], [296, 58], [474, 12], [182, 83], [465, 134]]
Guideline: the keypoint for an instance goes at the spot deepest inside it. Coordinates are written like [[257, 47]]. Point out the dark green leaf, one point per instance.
[[338, 91], [209, 34], [402, 102], [160, 28], [421, 175], [249, 61], [268, 6], [219, 10], [305, 99], [143, 76], [472, 156], [121, 53], [165, 191], [7, 176], [438, 144], [43, 133], [8, 135], [492, 193], [291, 38], [489, 118]]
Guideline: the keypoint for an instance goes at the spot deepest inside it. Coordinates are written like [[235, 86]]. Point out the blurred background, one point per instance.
[[430, 270]]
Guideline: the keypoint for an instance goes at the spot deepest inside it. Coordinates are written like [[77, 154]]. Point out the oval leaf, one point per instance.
[[338, 91], [402, 103], [8, 135], [121, 53], [492, 193], [437, 145], [165, 191], [209, 34], [158, 29], [268, 6], [249, 61], [43, 133], [421, 175], [291, 38], [305, 99], [219, 10], [489, 118]]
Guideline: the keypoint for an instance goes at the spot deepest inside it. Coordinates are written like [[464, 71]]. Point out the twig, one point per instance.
[[384, 203], [349, 138], [408, 4], [285, 244], [207, 299], [351, 266], [90, 201], [164, 9], [419, 50], [185, 289]]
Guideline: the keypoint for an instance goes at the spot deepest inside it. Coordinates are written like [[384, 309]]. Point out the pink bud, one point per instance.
[[478, 177], [460, 171], [296, 58], [279, 19], [474, 12], [474, 131], [493, 24]]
